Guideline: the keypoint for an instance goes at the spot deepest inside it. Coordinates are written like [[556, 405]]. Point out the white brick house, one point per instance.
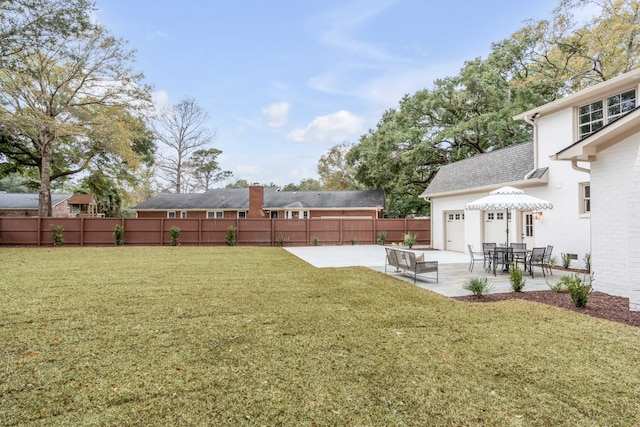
[[597, 133]]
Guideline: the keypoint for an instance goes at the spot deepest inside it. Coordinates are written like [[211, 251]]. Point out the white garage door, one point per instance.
[[454, 231]]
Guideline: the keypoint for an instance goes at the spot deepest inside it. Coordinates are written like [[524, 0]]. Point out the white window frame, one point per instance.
[[585, 198], [171, 214], [242, 214], [183, 214], [597, 114], [215, 214]]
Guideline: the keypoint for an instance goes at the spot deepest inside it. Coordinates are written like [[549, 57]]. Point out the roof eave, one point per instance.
[[601, 89], [524, 183], [586, 150]]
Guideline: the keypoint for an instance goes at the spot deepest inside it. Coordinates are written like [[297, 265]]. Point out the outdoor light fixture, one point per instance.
[[537, 215]]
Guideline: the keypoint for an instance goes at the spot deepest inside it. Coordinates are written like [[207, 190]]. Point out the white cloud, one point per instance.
[[329, 129], [161, 100], [157, 34], [277, 114]]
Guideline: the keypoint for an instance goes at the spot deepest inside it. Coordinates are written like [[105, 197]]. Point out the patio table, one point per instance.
[[504, 255]]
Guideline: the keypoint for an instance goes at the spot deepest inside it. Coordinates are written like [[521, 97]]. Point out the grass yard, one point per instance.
[[254, 336]]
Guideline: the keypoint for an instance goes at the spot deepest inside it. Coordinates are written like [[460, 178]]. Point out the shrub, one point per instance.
[[280, 239], [478, 286], [566, 260], [410, 239], [175, 235], [56, 234], [231, 236], [557, 287], [382, 237], [587, 262], [578, 288], [515, 277], [118, 235], [353, 241], [314, 241]]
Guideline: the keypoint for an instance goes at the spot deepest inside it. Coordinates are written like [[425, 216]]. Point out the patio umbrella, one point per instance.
[[508, 198]]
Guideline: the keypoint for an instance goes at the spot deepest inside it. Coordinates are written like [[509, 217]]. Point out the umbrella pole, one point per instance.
[[507, 218]]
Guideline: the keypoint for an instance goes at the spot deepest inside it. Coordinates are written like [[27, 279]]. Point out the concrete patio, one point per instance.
[[453, 267]]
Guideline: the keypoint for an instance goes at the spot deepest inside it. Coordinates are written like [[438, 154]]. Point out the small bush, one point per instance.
[[566, 260], [557, 287], [515, 277], [353, 241], [280, 240], [118, 235], [382, 237], [231, 236], [587, 262], [478, 286], [175, 235], [56, 235], [578, 288], [410, 239], [314, 241]]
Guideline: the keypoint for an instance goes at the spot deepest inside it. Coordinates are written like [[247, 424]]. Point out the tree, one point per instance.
[[308, 184], [240, 183], [205, 168], [24, 20], [181, 128], [65, 101], [335, 173]]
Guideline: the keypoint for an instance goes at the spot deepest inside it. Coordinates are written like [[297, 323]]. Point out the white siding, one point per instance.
[[615, 194]]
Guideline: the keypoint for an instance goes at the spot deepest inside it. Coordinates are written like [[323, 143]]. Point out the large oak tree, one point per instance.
[[68, 97]]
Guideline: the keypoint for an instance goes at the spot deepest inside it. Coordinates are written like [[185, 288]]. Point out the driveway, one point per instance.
[[453, 267]]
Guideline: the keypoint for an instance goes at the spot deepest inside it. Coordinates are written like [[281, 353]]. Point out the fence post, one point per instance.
[[39, 238], [81, 232], [161, 231]]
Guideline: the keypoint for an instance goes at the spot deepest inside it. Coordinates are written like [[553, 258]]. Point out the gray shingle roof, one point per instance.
[[324, 199], [221, 198], [502, 166], [27, 200], [238, 199]]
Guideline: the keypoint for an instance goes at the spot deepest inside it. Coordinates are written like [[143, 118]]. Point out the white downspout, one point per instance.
[[574, 165], [532, 122]]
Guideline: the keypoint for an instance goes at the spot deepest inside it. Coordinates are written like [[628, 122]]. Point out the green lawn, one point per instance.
[[255, 336]]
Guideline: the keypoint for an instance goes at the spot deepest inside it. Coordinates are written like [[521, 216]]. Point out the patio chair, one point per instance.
[[488, 249], [546, 262], [520, 254], [537, 258], [476, 256]]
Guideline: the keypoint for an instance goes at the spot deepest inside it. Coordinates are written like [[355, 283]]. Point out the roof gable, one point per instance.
[[499, 167]]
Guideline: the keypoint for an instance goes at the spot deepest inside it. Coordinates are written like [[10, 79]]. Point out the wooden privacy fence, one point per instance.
[[34, 231]]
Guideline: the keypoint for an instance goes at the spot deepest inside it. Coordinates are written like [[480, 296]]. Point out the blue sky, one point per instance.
[[283, 81]]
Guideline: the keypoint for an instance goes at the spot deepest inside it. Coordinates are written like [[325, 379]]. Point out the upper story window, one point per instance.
[[596, 115], [183, 214], [215, 214], [242, 214], [171, 214]]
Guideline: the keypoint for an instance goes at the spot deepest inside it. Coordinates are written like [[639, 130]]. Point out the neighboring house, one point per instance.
[[599, 125], [24, 204], [259, 202], [83, 205]]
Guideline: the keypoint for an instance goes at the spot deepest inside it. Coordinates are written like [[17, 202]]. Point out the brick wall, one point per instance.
[[615, 219]]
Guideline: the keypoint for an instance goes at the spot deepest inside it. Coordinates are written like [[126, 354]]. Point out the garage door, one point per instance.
[[455, 231]]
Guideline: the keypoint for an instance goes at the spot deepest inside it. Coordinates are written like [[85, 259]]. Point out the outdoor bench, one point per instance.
[[409, 262]]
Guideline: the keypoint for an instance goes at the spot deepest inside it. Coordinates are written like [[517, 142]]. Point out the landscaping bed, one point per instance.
[[600, 305]]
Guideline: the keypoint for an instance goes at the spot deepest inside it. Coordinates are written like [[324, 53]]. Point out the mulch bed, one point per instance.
[[600, 305]]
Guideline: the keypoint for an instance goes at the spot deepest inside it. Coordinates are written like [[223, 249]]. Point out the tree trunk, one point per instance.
[[44, 196]]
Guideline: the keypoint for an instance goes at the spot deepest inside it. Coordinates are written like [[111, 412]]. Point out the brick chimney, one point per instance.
[[256, 201]]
